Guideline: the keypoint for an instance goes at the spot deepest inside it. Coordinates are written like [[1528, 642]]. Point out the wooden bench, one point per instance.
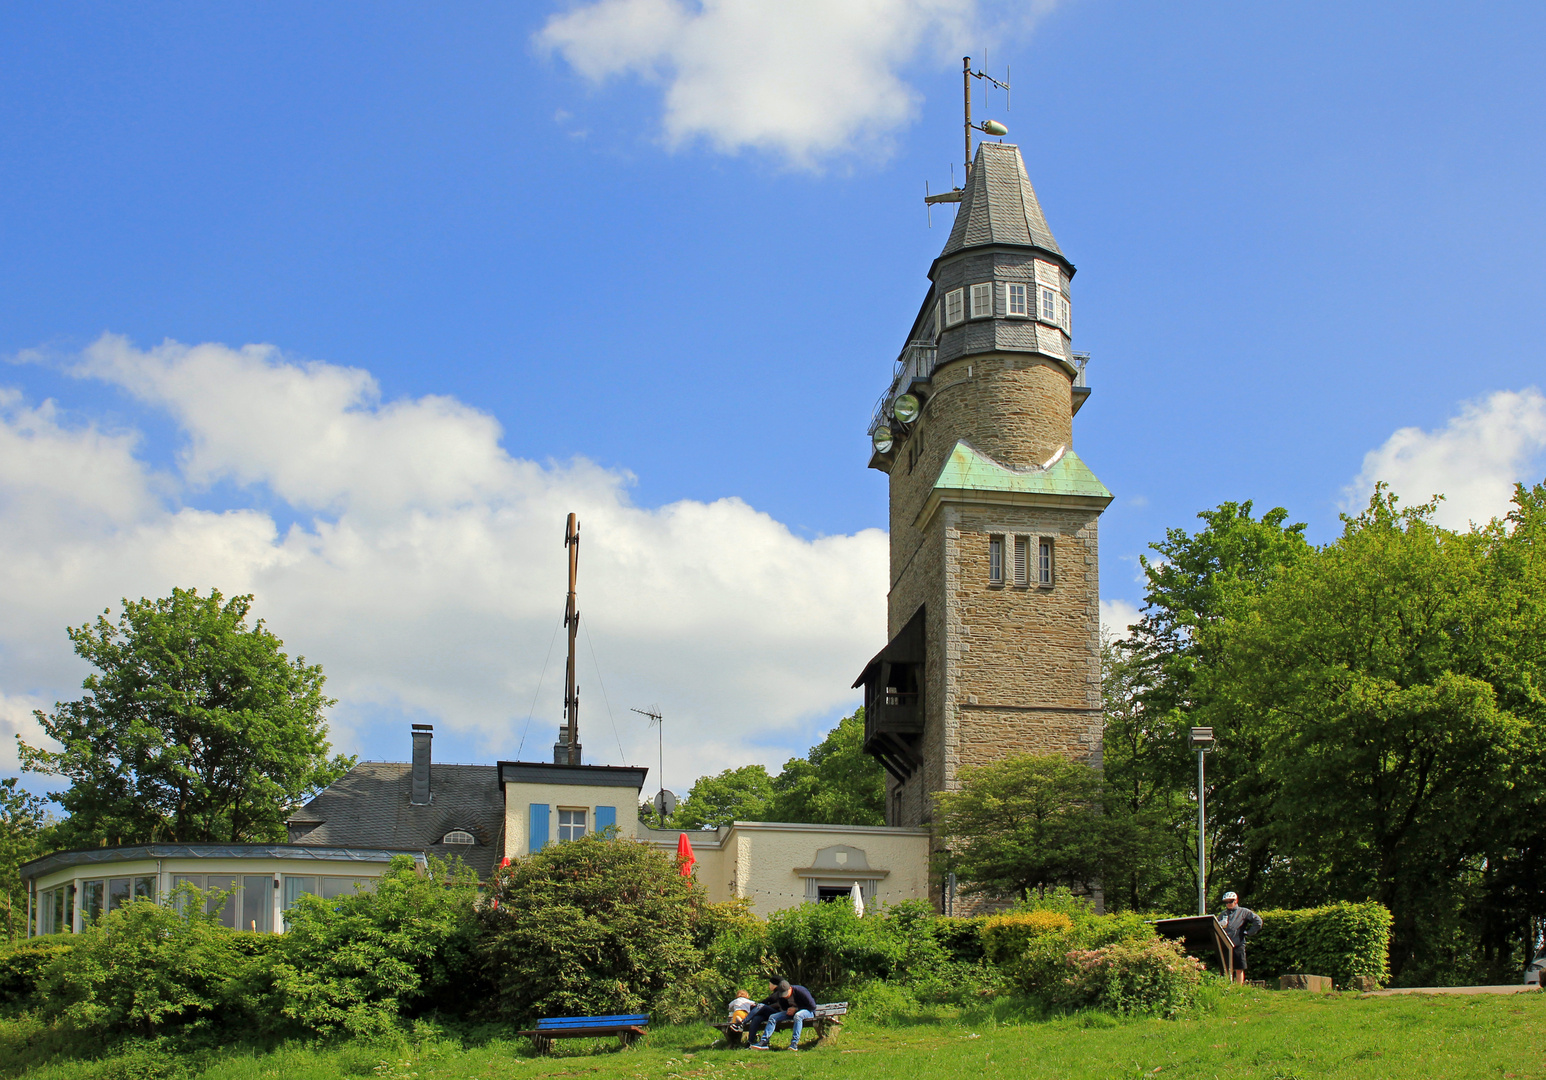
[[828, 1019], [628, 1027]]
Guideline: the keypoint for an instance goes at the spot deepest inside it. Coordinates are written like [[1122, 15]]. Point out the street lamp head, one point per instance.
[[1201, 739]]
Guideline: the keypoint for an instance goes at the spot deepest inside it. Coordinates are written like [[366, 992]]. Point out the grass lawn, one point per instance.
[[1271, 1035]]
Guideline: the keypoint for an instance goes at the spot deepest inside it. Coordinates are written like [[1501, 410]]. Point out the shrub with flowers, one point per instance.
[[1147, 977]]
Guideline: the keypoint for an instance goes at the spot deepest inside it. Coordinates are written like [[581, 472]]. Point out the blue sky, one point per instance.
[[670, 250]]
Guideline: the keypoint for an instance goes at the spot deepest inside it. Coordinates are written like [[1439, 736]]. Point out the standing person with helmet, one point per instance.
[[1240, 924]]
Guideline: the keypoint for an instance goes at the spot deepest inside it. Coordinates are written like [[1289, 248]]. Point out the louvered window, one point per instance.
[[982, 300], [1022, 546]]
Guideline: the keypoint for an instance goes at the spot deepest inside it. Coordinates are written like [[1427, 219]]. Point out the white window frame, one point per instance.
[[459, 834], [1009, 300], [1046, 562], [1048, 300], [995, 560], [955, 307], [982, 300], [583, 824]]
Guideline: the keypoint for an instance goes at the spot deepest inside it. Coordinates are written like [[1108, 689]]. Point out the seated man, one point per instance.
[[797, 1004]]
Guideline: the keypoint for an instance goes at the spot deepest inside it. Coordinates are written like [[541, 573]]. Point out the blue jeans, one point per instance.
[[800, 1017]]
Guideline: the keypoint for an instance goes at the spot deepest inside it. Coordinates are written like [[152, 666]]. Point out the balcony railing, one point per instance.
[[916, 362]]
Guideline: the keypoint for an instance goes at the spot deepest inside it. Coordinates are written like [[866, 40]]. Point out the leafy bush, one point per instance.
[[1343, 941], [961, 937], [22, 966], [357, 963], [143, 967], [1152, 977], [1033, 944], [1005, 938], [825, 946], [956, 982], [592, 926]]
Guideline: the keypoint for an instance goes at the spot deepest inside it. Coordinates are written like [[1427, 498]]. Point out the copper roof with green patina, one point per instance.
[[968, 469]]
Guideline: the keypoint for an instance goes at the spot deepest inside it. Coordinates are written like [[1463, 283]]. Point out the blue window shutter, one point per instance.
[[537, 835], [606, 818]]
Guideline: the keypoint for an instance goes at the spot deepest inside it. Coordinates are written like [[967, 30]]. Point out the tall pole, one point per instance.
[[572, 621], [1202, 847], [966, 88]]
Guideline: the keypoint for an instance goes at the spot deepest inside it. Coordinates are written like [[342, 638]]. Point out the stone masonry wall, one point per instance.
[[1009, 669]]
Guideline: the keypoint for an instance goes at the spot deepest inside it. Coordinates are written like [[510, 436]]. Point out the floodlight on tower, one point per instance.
[[906, 408]]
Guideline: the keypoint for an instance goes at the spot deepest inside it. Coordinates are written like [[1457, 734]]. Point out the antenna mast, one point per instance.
[[572, 621], [663, 806], [987, 127]]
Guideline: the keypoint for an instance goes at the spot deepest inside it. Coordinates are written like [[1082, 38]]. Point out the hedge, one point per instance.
[[1343, 941], [21, 966]]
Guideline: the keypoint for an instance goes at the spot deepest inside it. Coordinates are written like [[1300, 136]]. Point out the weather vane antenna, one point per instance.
[[987, 127]]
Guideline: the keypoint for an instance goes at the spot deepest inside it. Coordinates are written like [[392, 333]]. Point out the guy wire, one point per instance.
[[622, 759], [538, 691]]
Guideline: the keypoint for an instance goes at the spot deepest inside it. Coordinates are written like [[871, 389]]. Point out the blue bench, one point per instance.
[[628, 1027]]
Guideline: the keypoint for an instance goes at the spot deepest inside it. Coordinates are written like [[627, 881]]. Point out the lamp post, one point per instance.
[[1202, 741]]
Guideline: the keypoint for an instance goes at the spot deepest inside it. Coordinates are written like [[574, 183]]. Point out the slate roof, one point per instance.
[[999, 206], [369, 808]]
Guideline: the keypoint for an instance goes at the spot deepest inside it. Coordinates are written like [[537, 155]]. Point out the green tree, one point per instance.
[[1142, 793], [1196, 585], [590, 927], [194, 726], [1362, 673], [839, 784], [734, 795], [23, 822], [1032, 821]]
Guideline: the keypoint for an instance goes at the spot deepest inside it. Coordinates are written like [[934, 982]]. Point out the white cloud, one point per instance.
[[800, 78], [427, 572], [1473, 461], [1115, 618]]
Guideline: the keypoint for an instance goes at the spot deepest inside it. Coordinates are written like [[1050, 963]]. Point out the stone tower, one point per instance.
[[994, 608]]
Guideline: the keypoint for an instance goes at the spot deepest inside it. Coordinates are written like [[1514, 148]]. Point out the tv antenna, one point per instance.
[[664, 801], [987, 127]]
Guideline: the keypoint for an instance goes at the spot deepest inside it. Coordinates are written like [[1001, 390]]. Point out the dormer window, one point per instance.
[[1017, 300], [459, 836], [953, 303], [982, 300]]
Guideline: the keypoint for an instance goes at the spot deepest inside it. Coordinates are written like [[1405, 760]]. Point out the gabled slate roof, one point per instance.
[[999, 206], [369, 808]]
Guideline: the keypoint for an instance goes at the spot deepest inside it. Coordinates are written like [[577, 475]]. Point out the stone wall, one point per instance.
[[1009, 669]]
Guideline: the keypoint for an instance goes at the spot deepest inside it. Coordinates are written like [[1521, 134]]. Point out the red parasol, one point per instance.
[[684, 855]]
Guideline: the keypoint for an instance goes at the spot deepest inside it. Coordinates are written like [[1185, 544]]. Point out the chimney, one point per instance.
[[422, 734], [561, 747]]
